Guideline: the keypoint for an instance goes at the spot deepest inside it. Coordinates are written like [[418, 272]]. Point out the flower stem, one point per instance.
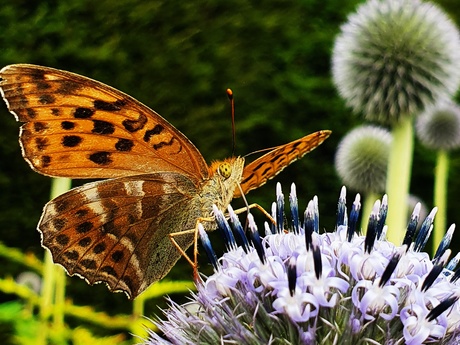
[[440, 193], [398, 178], [53, 291], [58, 187]]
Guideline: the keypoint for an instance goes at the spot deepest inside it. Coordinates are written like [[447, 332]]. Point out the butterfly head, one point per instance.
[[226, 175], [228, 169], [225, 169]]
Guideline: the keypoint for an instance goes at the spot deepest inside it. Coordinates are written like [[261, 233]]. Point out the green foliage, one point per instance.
[[31, 320]]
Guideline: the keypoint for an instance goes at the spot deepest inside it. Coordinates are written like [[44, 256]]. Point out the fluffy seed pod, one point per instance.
[[393, 58], [362, 158], [439, 127]]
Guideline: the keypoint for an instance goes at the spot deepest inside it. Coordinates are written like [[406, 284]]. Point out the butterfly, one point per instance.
[[117, 230]]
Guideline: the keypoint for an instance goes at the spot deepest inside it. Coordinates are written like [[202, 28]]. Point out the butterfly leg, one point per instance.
[[194, 263], [258, 207]]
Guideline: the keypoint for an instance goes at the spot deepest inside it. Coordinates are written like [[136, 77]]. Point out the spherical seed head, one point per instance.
[[362, 158], [439, 126], [395, 57]]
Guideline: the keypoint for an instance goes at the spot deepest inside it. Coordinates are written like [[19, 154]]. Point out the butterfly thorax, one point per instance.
[[223, 180]]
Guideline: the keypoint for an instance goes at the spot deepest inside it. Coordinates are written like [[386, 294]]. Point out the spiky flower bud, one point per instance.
[[395, 57], [438, 127], [362, 158]]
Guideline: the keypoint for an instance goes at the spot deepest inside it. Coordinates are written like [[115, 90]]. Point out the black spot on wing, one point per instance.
[[266, 171], [46, 99], [42, 85], [279, 159], [89, 264], [83, 113], [41, 143], [110, 271], [135, 125], [62, 240], [59, 223], [164, 143], [108, 106], [37, 74], [248, 178], [100, 158], [68, 87], [117, 256], [40, 126], [81, 213], [22, 102], [84, 227], [45, 161], [71, 255], [124, 145], [111, 228], [71, 140], [99, 248], [102, 127], [31, 113], [84, 242], [67, 125], [61, 205], [151, 132]]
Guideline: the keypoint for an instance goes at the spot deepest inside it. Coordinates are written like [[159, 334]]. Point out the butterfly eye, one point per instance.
[[225, 170]]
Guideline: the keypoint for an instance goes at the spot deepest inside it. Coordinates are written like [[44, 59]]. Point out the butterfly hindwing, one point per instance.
[[122, 223], [80, 128]]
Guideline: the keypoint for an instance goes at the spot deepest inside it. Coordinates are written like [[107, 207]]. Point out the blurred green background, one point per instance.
[[178, 58]]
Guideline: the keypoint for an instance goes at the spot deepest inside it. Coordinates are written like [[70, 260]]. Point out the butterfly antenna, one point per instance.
[[261, 151], [232, 104]]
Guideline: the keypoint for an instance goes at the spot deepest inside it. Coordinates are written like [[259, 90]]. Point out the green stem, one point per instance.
[[52, 296], [58, 187], [440, 195], [46, 301], [138, 306], [58, 311], [368, 204], [398, 179]]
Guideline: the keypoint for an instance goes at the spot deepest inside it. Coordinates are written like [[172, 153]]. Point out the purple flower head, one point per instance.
[[297, 286]]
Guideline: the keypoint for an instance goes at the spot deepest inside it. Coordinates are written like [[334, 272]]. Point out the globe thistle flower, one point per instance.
[[298, 286], [438, 127], [362, 158], [361, 162], [395, 57], [392, 59]]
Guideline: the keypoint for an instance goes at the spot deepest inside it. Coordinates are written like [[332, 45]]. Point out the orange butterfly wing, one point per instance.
[[116, 230], [272, 163], [80, 128]]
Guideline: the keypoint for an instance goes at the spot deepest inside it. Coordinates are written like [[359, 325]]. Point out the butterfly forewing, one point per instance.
[[116, 230], [80, 128], [272, 163]]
